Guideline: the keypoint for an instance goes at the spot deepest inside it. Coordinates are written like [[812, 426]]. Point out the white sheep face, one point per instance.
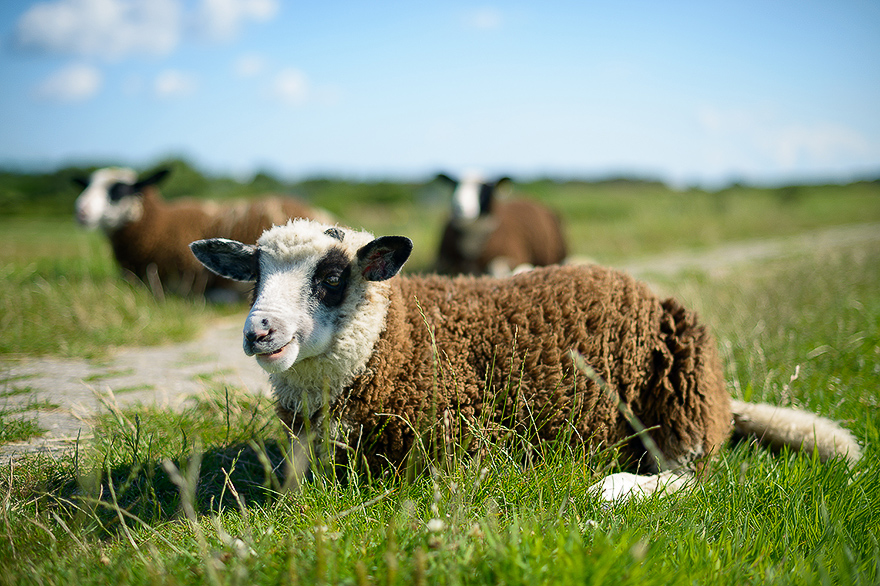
[[297, 301], [109, 201], [466, 198], [310, 279], [473, 197]]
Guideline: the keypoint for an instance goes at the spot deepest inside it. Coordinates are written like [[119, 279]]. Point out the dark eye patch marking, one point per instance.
[[335, 233], [486, 192], [119, 190], [330, 279]]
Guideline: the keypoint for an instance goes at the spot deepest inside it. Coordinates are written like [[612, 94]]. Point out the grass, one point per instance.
[[62, 295], [196, 497], [14, 427]]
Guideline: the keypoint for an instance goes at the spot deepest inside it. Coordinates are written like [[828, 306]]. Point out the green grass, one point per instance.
[[14, 427], [195, 497], [612, 222], [62, 295]]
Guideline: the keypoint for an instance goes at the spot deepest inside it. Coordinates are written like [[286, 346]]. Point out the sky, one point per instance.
[[692, 93]]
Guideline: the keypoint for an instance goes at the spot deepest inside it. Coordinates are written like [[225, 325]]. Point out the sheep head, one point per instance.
[[111, 198], [310, 279], [472, 197]]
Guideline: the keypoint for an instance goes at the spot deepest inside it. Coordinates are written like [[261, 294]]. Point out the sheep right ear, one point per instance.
[[153, 179], [227, 258], [80, 182], [383, 258]]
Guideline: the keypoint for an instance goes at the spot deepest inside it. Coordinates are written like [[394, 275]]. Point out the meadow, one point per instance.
[[199, 496]]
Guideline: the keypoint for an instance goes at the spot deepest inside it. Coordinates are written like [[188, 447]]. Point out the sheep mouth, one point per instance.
[[274, 353], [280, 359]]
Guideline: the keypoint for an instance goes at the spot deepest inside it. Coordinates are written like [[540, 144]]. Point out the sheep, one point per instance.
[[485, 235], [359, 356], [149, 237]]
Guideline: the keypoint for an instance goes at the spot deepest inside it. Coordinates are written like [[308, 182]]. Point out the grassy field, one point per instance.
[[196, 497]]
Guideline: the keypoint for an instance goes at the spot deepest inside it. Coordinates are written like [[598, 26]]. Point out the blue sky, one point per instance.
[[689, 92]]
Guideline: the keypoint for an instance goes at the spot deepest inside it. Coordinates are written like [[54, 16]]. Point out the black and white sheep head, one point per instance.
[[111, 197], [309, 279], [472, 196]]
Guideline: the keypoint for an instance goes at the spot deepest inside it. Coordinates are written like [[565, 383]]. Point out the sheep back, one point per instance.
[[245, 221], [162, 235], [501, 360]]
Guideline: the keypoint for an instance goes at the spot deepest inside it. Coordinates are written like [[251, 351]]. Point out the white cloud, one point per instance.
[[249, 65], [290, 86], [173, 83], [75, 83], [760, 135], [221, 20], [820, 143], [486, 18], [109, 29]]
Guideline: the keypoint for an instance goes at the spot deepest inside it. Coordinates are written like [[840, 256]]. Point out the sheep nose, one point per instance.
[[256, 337]]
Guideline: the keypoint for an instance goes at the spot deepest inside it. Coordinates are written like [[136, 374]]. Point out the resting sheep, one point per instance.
[[150, 237], [486, 235], [369, 357]]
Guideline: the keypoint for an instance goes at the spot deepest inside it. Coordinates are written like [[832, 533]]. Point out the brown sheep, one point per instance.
[[488, 235], [388, 355], [150, 236]]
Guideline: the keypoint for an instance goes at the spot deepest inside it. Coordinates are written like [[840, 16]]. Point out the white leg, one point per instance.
[[624, 486]]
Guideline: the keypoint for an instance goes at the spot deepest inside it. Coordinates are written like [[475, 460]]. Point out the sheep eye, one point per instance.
[[119, 190], [332, 281]]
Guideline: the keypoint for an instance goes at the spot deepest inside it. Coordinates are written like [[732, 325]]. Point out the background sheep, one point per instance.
[[485, 234], [150, 237], [389, 355]]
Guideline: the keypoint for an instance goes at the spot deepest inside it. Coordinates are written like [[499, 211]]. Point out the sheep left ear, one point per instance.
[[227, 258], [383, 258]]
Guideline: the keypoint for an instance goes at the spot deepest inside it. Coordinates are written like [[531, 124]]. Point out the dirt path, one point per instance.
[[64, 394]]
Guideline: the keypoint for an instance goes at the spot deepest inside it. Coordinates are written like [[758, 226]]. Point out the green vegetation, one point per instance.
[[62, 294], [195, 497], [14, 427]]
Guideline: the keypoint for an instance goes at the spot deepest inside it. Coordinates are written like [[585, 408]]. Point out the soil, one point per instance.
[[63, 395]]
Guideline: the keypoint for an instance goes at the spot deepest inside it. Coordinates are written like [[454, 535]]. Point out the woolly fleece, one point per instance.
[[501, 358]]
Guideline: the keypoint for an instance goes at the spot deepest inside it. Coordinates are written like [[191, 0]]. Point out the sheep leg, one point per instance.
[[624, 486]]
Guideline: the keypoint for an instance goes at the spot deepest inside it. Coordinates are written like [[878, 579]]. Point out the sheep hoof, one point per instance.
[[623, 486]]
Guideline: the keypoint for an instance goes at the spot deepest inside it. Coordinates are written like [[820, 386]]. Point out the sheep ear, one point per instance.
[[80, 182], [227, 258], [383, 258], [504, 186], [443, 177], [153, 179]]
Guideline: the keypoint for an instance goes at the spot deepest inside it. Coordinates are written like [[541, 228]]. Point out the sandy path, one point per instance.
[[164, 375], [168, 375]]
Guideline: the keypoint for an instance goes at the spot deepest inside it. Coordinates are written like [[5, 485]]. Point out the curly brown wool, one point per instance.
[[501, 360]]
